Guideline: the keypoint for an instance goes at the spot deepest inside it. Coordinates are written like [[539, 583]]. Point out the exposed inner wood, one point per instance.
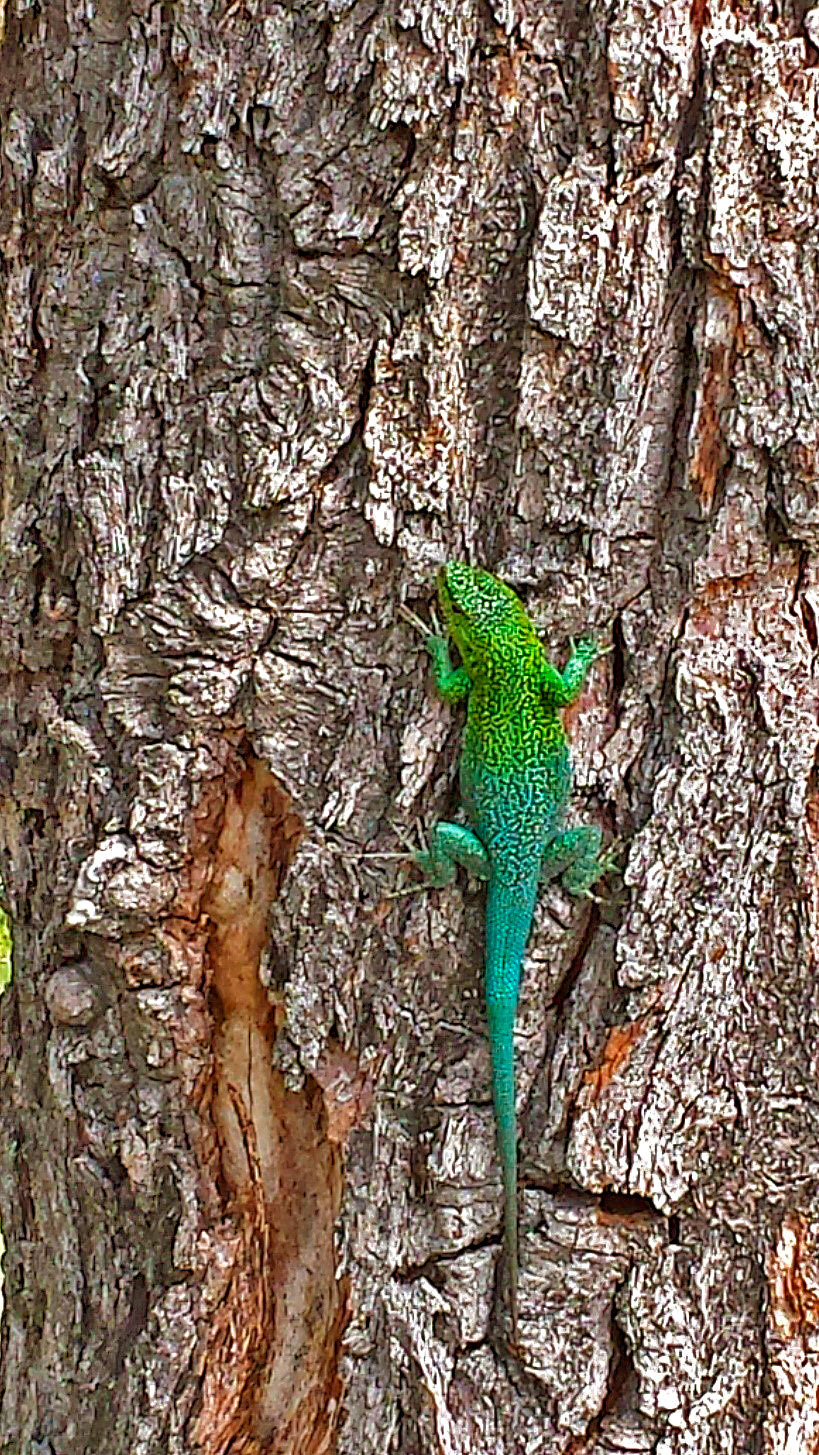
[[270, 1363]]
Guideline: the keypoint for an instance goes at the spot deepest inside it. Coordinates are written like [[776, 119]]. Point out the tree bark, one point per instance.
[[297, 304]]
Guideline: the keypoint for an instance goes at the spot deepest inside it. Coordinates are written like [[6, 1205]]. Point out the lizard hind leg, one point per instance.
[[575, 856], [452, 844]]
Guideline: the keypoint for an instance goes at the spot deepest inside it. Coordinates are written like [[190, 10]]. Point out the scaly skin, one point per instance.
[[515, 783]]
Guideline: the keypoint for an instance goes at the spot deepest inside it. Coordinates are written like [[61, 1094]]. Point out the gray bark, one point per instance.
[[297, 304]]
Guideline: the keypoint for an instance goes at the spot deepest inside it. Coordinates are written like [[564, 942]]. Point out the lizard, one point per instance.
[[515, 781]]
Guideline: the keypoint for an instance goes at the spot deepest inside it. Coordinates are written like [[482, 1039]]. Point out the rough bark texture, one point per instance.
[[297, 303]]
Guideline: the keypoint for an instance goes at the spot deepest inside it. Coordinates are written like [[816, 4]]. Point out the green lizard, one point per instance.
[[515, 784]]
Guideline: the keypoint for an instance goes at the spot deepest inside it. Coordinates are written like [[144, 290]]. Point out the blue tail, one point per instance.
[[509, 910]]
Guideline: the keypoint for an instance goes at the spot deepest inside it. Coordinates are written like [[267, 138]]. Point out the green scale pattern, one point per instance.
[[515, 784]]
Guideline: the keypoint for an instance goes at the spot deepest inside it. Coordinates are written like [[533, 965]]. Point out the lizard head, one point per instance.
[[483, 616]]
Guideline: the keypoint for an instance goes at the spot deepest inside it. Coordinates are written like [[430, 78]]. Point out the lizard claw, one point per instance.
[[609, 860], [595, 898], [414, 852], [610, 857], [414, 620], [430, 632]]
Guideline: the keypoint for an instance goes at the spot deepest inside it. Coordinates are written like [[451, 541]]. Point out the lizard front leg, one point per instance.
[[452, 683], [561, 689]]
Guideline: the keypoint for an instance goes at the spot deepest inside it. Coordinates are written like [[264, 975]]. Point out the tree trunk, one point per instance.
[[298, 303]]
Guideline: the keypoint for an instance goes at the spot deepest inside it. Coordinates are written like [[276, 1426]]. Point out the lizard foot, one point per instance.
[[608, 861], [412, 853], [415, 621], [451, 844]]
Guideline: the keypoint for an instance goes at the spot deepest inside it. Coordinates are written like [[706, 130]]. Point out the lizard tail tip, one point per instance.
[[513, 1314]]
